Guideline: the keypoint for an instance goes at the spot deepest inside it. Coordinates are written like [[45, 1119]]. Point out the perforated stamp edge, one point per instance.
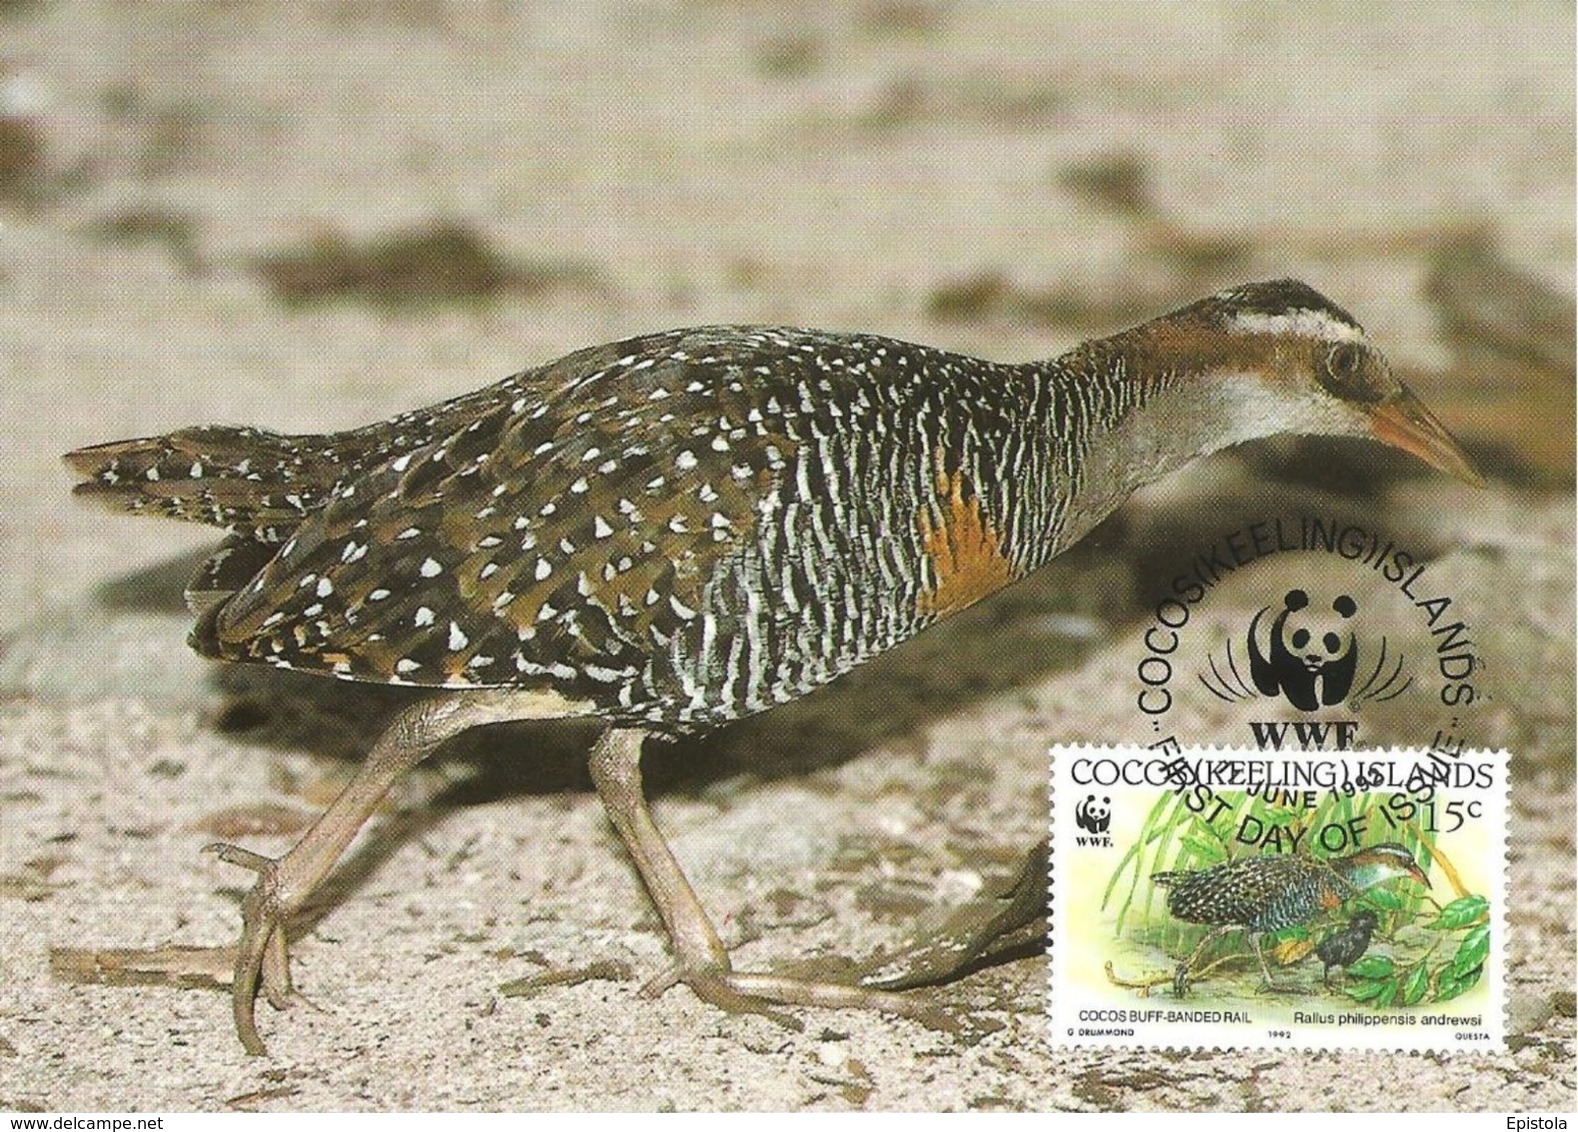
[[1130, 1008]]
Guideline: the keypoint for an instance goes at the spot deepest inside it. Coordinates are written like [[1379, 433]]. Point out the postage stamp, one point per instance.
[[1278, 899]]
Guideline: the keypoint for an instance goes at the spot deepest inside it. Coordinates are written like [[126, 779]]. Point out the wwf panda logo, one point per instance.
[[1093, 815], [1310, 653], [1307, 653]]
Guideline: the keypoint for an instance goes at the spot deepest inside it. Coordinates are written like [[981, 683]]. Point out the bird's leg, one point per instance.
[[996, 922], [1181, 974], [701, 959], [1270, 984], [284, 885]]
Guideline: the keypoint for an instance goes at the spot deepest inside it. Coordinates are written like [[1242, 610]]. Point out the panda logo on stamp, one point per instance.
[[1094, 816]]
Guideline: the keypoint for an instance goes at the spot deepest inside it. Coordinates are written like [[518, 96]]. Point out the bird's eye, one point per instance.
[[1342, 361], [1345, 372]]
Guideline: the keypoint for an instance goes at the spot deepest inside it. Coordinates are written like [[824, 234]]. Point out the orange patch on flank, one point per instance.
[[1329, 898], [962, 545]]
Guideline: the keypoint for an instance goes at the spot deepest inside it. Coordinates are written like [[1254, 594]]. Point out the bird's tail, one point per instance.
[[1166, 880], [242, 479]]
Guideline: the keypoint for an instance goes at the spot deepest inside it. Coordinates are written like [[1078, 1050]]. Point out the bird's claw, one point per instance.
[[745, 993], [712, 987], [262, 956], [718, 989], [1181, 981], [246, 858]]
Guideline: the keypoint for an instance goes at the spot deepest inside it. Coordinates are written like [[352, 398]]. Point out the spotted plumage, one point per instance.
[[1276, 891], [682, 529], [1263, 894]]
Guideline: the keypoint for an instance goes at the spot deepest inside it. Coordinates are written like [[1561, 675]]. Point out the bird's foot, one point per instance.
[[1181, 981], [259, 961], [739, 992], [1001, 922], [262, 961]]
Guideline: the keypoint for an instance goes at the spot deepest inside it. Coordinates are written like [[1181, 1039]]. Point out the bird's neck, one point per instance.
[[1182, 395], [1368, 874], [1133, 410]]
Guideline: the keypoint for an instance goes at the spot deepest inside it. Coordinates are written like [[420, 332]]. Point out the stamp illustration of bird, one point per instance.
[[1346, 945], [1275, 891], [683, 529]]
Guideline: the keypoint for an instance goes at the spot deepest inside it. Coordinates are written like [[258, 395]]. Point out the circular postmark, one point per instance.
[[1348, 628]]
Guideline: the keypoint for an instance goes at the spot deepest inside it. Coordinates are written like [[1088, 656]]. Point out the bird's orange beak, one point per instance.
[[1403, 422], [1419, 875]]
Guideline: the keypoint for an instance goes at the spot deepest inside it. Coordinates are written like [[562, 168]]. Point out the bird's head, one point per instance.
[[1364, 919], [1279, 357], [1378, 863]]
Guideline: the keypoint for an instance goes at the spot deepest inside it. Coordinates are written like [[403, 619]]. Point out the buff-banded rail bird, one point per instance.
[[1275, 891], [683, 529]]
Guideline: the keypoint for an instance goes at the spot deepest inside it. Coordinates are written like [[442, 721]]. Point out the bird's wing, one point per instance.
[[553, 535], [232, 565], [262, 484], [1237, 892]]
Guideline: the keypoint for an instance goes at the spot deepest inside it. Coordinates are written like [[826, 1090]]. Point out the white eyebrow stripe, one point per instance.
[[1304, 324]]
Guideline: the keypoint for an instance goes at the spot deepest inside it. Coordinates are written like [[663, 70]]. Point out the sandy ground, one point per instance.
[[709, 163]]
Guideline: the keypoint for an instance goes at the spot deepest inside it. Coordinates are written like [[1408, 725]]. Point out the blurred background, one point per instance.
[[310, 217]]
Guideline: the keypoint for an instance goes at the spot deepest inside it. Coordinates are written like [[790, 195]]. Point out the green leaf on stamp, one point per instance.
[[1205, 850], [1415, 985], [1473, 951], [1460, 913], [1365, 992], [1373, 967], [1453, 985]]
